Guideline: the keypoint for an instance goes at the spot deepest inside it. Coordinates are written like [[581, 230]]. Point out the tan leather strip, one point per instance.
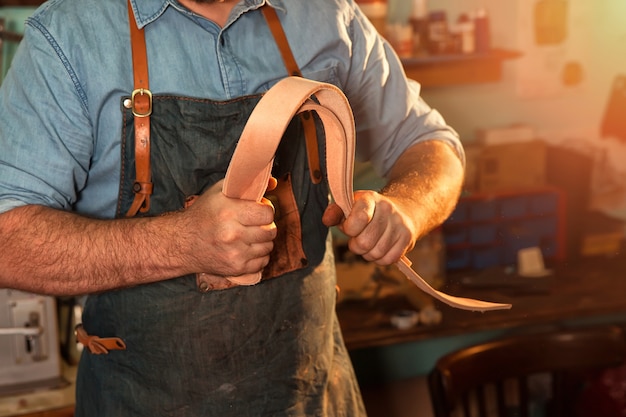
[[308, 122], [98, 345], [251, 165], [142, 108]]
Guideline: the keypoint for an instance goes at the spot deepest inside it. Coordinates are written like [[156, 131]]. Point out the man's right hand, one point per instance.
[[56, 252], [228, 237]]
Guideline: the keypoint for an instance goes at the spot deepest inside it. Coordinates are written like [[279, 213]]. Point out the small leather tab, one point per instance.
[[288, 253], [98, 345], [142, 187], [207, 282]]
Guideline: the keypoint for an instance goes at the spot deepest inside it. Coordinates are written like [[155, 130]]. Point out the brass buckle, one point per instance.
[[141, 92]]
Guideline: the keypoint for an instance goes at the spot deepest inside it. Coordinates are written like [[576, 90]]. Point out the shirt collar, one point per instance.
[[147, 11]]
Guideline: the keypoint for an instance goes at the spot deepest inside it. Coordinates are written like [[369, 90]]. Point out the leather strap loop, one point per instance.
[[250, 167]]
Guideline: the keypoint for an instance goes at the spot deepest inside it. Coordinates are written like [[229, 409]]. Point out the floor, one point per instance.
[[405, 398]]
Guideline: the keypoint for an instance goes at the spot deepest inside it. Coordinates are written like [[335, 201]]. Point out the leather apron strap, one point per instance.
[[251, 164], [141, 102], [308, 122]]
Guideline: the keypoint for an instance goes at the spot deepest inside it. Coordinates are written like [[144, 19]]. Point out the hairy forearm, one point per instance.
[[48, 251], [426, 181]]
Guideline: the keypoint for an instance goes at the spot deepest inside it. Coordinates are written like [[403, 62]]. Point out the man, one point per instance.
[[192, 343]]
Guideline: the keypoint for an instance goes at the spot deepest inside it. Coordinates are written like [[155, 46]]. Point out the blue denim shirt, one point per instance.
[[60, 117]]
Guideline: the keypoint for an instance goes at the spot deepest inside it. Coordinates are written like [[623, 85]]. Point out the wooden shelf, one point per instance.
[[445, 70], [20, 3], [430, 71], [61, 412]]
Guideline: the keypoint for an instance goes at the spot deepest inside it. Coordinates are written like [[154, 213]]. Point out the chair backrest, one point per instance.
[[514, 375]]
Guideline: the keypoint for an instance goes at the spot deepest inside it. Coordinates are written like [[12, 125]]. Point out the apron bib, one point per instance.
[[272, 349]]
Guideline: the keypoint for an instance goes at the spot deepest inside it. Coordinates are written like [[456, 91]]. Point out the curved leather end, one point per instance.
[[249, 279], [404, 264]]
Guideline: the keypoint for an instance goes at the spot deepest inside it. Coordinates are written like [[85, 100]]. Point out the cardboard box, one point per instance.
[[512, 166], [608, 244], [472, 156], [506, 134], [603, 235]]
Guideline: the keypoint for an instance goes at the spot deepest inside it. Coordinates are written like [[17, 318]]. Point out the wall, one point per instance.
[[531, 91], [568, 115], [595, 36], [14, 22]]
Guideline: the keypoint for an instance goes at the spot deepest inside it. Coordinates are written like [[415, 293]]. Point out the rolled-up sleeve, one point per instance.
[[45, 135], [390, 119]]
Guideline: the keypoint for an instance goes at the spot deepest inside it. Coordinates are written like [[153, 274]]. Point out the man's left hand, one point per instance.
[[377, 229]]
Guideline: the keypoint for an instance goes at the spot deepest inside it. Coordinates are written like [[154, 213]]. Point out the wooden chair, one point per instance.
[[513, 375]]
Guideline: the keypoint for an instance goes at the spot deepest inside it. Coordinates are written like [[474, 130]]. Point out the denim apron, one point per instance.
[[272, 349]]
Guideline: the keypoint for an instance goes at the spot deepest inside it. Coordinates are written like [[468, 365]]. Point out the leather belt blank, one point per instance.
[[250, 167]]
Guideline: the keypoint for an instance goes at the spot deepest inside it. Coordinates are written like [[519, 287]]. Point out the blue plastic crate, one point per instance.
[[543, 204], [542, 226], [457, 259], [515, 230], [549, 247], [454, 235], [513, 207], [511, 247], [515, 236], [485, 257], [459, 214], [482, 210], [483, 233]]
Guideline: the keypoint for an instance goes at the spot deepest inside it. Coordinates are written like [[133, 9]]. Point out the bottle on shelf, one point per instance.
[[464, 32], [419, 22], [376, 12], [482, 31], [438, 34]]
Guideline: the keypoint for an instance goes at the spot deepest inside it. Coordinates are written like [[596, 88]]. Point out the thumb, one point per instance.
[[333, 215], [272, 183]]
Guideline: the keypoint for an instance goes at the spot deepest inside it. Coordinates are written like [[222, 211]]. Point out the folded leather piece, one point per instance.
[[250, 168], [98, 345], [288, 253]]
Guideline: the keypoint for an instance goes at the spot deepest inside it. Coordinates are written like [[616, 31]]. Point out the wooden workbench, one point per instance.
[[585, 290]]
